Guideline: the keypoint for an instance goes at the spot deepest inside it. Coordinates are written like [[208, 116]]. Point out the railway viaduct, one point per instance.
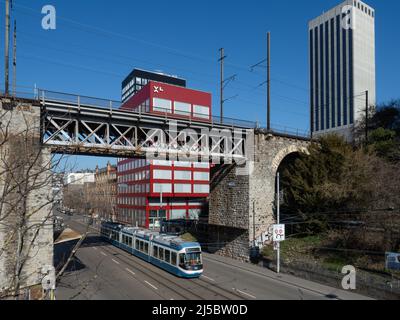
[[241, 201], [242, 206]]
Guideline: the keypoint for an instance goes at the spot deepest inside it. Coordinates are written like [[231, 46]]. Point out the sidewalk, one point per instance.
[[290, 280]]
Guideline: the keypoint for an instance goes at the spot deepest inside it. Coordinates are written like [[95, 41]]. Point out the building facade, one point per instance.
[[105, 193], [77, 178], [152, 190], [342, 67], [173, 101], [137, 79]]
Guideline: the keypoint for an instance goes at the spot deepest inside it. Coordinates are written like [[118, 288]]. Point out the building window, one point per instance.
[[178, 214], [182, 164], [312, 78], [351, 77], [339, 78], [201, 188], [321, 48], [183, 188], [162, 174], [162, 187], [162, 105], [182, 108], [327, 70], [345, 82], [182, 175], [194, 214], [201, 176], [201, 165], [201, 112]]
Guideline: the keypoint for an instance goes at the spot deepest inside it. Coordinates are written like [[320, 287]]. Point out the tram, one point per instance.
[[171, 253]]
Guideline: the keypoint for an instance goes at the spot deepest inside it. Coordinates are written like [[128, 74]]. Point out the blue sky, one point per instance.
[[97, 43]]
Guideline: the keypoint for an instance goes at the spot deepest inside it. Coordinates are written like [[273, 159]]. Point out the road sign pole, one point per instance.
[[278, 255]]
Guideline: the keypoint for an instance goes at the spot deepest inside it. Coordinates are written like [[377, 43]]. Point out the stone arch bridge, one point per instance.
[[242, 206]]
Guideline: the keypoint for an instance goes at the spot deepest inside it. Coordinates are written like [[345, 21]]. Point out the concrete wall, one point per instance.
[[247, 202], [26, 226]]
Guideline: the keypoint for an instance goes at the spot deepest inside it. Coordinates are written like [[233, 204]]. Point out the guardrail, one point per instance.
[[62, 98]]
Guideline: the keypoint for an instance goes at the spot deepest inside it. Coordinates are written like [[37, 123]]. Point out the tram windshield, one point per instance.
[[191, 261]]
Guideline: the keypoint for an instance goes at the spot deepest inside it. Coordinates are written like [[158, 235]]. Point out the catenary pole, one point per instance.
[[278, 218], [7, 49]]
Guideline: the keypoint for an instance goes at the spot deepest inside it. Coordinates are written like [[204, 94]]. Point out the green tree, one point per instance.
[[385, 143], [307, 183]]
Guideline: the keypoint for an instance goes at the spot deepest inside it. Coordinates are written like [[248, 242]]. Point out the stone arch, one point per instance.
[[282, 154]]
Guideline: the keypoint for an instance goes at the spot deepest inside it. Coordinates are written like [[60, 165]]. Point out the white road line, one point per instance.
[[203, 276], [115, 261], [247, 294], [103, 253], [154, 287], [131, 272], [94, 248]]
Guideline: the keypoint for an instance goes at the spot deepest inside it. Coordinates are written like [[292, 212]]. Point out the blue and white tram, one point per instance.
[[171, 253]]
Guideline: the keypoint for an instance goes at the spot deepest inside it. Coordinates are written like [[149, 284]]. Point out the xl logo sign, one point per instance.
[[49, 20], [158, 89]]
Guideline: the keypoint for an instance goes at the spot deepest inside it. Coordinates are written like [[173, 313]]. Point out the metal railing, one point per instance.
[[80, 100]]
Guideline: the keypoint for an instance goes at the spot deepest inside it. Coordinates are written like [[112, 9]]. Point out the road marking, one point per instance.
[[94, 248], [203, 276], [103, 253], [247, 294], [154, 287], [131, 272], [115, 261]]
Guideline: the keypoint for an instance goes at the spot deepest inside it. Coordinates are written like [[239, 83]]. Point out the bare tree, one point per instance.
[[26, 200]]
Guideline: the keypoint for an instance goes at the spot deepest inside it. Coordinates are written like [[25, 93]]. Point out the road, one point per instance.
[[103, 272]]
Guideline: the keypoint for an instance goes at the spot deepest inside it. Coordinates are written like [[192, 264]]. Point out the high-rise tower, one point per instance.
[[342, 67]]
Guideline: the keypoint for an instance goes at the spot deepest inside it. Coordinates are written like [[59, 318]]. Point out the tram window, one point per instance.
[[173, 258], [137, 244], [130, 241], [141, 246], [146, 247], [182, 259], [161, 253], [155, 251], [167, 256]]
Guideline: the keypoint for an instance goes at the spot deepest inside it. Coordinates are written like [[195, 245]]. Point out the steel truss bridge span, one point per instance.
[[70, 127]]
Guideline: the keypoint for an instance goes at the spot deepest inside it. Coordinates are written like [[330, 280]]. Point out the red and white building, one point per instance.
[[175, 101], [150, 191]]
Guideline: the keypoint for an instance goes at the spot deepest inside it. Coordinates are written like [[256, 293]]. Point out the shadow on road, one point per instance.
[[63, 250]]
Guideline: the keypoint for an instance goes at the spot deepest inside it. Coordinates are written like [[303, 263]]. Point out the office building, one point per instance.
[[342, 67]]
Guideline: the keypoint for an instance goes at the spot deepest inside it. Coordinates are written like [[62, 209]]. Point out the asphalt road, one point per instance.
[[103, 272]]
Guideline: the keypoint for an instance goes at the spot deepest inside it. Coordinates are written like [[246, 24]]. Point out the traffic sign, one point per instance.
[[279, 233]]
